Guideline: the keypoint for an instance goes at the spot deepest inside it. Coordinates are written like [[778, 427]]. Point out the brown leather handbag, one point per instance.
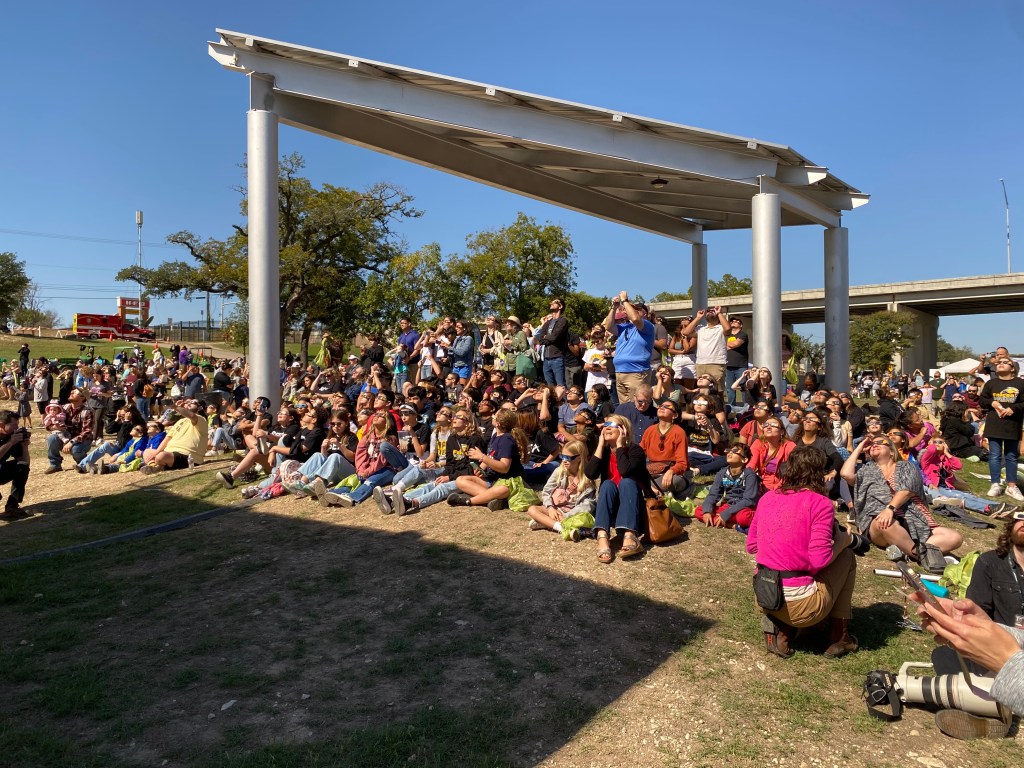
[[662, 525]]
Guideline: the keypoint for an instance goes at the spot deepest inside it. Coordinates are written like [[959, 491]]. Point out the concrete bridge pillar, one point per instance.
[[923, 352]]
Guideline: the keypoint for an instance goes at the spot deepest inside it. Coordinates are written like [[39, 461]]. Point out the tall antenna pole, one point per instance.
[[1007, 201], [138, 223]]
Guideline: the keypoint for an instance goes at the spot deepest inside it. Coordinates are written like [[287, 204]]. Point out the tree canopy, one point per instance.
[[332, 239], [729, 285], [14, 285], [875, 339]]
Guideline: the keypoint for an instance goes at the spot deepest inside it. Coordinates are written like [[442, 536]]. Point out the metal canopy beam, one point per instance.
[[793, 201], [390, 95], [372, 130]]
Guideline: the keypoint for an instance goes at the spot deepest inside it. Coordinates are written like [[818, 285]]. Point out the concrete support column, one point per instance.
[[264, 264], [837, 308], [923, 351], [766, 342], [699, 291]]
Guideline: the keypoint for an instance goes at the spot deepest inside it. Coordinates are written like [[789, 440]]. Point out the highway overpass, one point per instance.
[[925, 300]]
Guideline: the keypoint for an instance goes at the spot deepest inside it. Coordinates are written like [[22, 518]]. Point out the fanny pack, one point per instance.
[[768, 586]]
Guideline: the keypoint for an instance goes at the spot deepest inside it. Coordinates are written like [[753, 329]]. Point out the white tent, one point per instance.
[[966, 365]]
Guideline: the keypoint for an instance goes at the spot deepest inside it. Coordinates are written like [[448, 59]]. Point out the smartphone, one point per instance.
[[915, 581], [475, 466]]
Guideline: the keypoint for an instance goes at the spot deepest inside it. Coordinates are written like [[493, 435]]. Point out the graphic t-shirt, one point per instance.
[[595, 356], [1007, 392], [504, 447]]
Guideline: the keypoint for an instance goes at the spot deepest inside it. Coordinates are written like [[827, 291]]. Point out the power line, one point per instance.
[[85, 239]]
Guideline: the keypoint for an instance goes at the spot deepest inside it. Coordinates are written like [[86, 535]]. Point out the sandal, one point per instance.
[[604, 552], [631, 545]]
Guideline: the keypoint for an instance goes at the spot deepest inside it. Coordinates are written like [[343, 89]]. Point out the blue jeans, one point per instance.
[[221, 438], [703, 464], [396, 461], [106, 449], [732, 375], [142, 403], [998, 450], [618, 506], [432, 493], [330, 468], [554, 371], [971, 502], [414, 475], [53, 450]]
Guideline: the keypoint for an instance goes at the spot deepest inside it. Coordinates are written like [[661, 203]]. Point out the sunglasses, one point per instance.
[[610, 425], [770, 425], [567, 457]]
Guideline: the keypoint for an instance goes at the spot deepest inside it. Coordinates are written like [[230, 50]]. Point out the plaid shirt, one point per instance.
[[80, 423]]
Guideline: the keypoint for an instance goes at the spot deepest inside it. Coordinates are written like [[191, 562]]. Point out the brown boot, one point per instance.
[[842, 642], [777, 637]]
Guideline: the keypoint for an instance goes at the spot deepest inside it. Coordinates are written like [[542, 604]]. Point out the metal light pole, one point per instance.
[[1007, 201], [138, 223]]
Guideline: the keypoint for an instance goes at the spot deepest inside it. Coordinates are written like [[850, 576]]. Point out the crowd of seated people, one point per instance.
[[575, 432]]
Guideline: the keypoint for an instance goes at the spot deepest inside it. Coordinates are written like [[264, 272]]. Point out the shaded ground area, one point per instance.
[[286, 635]]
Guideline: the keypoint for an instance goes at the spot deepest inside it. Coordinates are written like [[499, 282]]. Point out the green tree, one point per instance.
[[805, 349], [947, 353], [14, 284], [417, 285], [583, 311], [875, 339], [515, 269], [331, 240], [729, 285]]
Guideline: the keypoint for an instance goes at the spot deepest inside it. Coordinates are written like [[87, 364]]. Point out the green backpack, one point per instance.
[[957, 577]]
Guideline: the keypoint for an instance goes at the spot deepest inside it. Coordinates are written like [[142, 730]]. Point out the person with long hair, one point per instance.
[[704, 435], [541, 457], [569, 496], [378, 458], [1003, 398], [768, 455], [957, 429], [621, 466], [889, 408], [794, 531], [336, 458], [665, 387], [888, 498], [453, 453], [499, 485], [939, 467], [998, 575], [600, 399], [683, 350], [753, 430]]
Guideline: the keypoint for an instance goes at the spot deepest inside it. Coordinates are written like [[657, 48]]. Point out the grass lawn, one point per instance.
[[282, 634]]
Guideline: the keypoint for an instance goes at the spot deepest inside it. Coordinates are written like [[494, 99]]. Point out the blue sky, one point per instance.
[[116, 106]]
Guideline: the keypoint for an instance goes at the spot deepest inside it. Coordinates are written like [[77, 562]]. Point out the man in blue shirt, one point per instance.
[[634, 344]]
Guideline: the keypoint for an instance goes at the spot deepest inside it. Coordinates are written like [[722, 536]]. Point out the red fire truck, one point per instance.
[[108, 327]]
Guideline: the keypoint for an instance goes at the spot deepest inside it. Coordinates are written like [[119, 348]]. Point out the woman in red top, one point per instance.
[[768, 454], [751, 431], [664, 443]]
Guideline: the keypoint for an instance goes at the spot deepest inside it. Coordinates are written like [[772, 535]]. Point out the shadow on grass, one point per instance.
[[877, 625], [339, 645]]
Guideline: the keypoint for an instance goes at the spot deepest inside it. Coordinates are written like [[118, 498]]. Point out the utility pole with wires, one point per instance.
[[138, 223]]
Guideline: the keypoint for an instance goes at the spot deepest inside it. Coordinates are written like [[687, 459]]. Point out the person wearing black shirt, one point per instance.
[[1003, 397], [997, 581], [554, 337], [14, 463], [736, 357]]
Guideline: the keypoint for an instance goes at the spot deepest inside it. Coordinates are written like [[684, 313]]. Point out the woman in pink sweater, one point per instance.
[[794, 531]]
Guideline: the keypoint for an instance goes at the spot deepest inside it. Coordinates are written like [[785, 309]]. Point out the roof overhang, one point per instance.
[[669, 179]]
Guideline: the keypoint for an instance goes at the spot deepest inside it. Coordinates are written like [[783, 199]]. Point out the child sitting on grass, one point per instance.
[[569, 496], [733, 496]]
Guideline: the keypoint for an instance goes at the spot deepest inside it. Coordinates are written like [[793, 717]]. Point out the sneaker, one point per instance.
[[578, 534], [398, 503], [84, 470], [318, 488], [459, 499], [894, 553], [1014, 493], [226, 479], [250, 492], [994, 490], [382, 500], [51, 469], [152, 468], [932, 559], [961, 725], [262, 445], [998, 509], [533, 525], [495, 504], [15, 512], [331, 499], [211, 453]]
